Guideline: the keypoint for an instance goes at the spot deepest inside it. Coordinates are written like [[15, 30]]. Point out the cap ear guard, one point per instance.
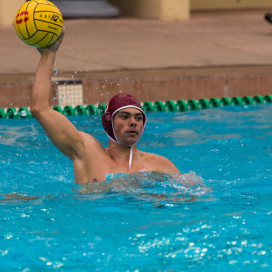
[[106, 121], [109, 125]]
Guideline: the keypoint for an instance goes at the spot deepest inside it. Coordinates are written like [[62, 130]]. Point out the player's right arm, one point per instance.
[[59, 129]]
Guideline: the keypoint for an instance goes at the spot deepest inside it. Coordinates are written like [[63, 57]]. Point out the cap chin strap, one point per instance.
[[130, 157], [130, 152]]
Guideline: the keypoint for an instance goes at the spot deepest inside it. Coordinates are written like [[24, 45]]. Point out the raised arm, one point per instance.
[[59, 129]]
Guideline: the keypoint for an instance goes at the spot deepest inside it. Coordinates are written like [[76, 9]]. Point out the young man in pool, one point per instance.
[[124, 121]]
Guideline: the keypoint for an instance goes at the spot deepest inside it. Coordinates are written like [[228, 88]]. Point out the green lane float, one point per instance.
[[11, 113], [101, 108], [192, 104], [170, 105], [58, 109], [225, 101], [68, 111], [92, 110], [80, 110], [268, 98], [23, 112], [159, 106], [181, 105], [258, 99], [237, 101], [214, 102], [247, 100], [2, 113], [203, 103], [148, 106]]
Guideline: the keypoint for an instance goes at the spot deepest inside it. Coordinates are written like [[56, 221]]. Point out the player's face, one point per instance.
[[128, 124]]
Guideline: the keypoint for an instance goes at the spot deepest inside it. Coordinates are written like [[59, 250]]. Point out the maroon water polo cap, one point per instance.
[[116, 103]]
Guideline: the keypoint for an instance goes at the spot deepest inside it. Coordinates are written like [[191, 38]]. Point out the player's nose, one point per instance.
[[132, 121]]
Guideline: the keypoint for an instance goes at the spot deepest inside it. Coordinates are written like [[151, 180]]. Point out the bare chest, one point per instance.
[[98, 168]]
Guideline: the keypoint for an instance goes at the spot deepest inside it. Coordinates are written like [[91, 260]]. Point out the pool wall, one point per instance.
[[147, 85]]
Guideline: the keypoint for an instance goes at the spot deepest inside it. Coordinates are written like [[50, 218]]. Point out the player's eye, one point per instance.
[[139, 117], [124, 116]]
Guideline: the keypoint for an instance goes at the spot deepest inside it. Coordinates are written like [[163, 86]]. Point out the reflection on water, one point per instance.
[[15, 196]]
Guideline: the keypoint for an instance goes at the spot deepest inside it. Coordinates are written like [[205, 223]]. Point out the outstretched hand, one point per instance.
[[55, 46]]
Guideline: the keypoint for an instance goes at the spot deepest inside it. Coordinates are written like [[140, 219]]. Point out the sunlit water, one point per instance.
[[147, 221]]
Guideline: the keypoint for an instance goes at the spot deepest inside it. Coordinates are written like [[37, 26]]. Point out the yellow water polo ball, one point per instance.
[[38, 23]]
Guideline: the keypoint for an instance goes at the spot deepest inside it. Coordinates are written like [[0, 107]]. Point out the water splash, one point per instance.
[[159, 186]]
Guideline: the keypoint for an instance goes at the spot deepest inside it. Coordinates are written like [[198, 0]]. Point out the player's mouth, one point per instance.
[[132, 132]]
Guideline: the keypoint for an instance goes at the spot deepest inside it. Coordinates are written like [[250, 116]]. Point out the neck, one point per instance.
[[121, 153]]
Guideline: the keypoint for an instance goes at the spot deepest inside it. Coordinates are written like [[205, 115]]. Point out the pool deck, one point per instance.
[[214, 54]]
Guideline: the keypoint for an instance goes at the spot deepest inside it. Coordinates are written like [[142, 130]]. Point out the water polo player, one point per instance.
[[124, 122]]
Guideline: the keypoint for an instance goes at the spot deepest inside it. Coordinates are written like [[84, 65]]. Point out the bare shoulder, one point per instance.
[[160, 163], [87, 145], [89, 140]]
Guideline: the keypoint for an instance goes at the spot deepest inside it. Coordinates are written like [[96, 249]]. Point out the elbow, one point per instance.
[[35, 111]]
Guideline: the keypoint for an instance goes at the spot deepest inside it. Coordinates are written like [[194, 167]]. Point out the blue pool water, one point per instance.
[[143, 222]]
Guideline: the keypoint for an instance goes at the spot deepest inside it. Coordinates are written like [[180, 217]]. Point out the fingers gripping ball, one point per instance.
[[38, 23]]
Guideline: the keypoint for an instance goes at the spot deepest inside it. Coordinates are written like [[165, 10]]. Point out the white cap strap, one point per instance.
[[130, 157]]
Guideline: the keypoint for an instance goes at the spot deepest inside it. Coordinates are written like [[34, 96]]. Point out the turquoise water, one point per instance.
[[143, 222]]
